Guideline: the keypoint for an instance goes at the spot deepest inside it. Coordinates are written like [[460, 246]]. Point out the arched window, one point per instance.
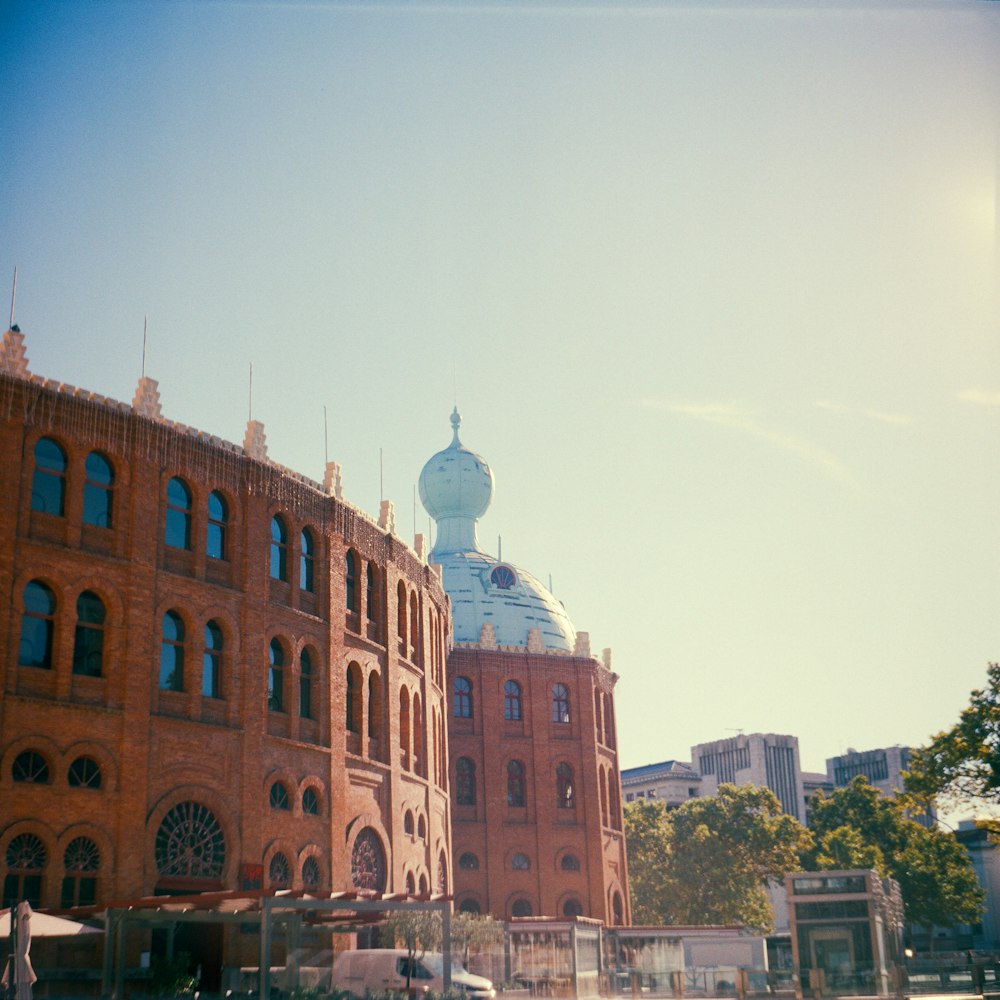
[[98, 490], [276, 677], [26, 859], [305, 685], [521, 908], [609, 722], [572, 908], [617, 910], [311, 876], [211, 662], [418, 734], [598, 716], [81, 862], [564, 786], [310, 801], [374, 706], [470, 906], [351, 582], [602, 780], [570, 863], [422, 884], [279, 548], [84, 772], [48, 482], [408, 823], [88, 639], [414, 626], [401, 616], [520, 862], [512, 701], [37, 626], [279, 872], [442, 873], [178, 524], [30, 767], [354, 698], [368, 862], [614, 807], [190, 843], [462, 698], [421, 827], [468, 862], [560, 703], [465, 782], [515, 784], [278, 797], [172, 653], [216, 543], [411, 885], [404, 728], [371, 594], [307, 557]]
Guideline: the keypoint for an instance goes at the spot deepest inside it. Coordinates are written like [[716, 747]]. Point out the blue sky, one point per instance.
[[715, 287]]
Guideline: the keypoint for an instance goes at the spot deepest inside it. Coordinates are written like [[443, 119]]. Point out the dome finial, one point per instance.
[[456, 422]]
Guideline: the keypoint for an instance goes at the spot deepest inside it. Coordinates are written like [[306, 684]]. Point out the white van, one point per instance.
[[378, 969]]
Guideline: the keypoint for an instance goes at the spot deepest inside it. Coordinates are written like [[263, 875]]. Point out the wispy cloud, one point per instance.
[[980, 396], [748, 422], [899, 419]]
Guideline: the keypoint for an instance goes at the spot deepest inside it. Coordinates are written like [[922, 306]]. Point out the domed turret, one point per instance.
[[456, 487]]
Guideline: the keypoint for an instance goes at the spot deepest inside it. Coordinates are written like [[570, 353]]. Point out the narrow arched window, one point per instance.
[[178, 523], [305, 685], [401, 616], [351, 582], [98, 490], [564, 786], [88, 638], [37, 626], [462, 698], [279, 548], [307, 561], [602, 781], [278, 797], [311, 875], [211, 662], [560, 704], [521, 908], [172, 653], [371, 594], [414, 626], [418, 735], [515, 784], [81, 863], [465, 782], [408, 823], [276, 677], [374, 706], [404, 728], [216, 542], [354, 692], [310, 802], [598, 716], [279, 872], [48, 482], [26, 859], [512, 701], [609, 722]]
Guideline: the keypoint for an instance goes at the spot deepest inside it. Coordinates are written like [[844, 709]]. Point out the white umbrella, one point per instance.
[[45, 925], [24, 974]]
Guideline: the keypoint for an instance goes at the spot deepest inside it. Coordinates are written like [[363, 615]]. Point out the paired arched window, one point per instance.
[[48, 482], [351, 582], [276, 677], [310, 802], [26, 859], [564, 786], [31, 768], [37, 626], [216, 542], [279, 549], [306, 685], [512, 701], [307, 561], [521, 908], [312, 877], [279, 872], [178, 523], [172, 653], [570, 863], [371, 593], [516, 795], [469, 862], [98, 489], [211, 661], [465, 782], [560, 703], [353, 720], [279, 798], [462, 698], [88, 638], [84, 772], [81, 863]]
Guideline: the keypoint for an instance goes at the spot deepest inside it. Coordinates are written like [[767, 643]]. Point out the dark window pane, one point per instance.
[[97, 491], [178, 526], [218, 517], [279, 549], [37, 627], [48, 484], [88, 639]]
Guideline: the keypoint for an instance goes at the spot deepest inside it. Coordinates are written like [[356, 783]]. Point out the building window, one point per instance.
[[470, 906], [411, 885], [305, 685], [178, 526], [374, 706], [462, 698], [371, 594], [30, 767], [211, 664], [468, 862], [572, 908], [26, 859], [401, 616], [368, 862], [98, 490], [617, 910], [503, 577], [172, 653], [560, 703], [81, 862], [216, 546], [310, 802], [279, 872], [512, 701], [570, 863], [521, 908], [564, 786], [408, 823], [311, 875], [520, 862], [307, 557], [465, 782], [88, 639], [190, 843], [442, 874], [351, 582], [279, 797], [279, 549], [276, 677], [48, 483], [353, 704], [37, 626], [515, 784], [414, 626], [84, 772]]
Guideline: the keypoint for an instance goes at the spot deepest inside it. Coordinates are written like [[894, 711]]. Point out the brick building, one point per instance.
[[536, 802]]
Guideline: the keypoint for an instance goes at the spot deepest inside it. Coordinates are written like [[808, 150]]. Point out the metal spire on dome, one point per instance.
[[456, 422]]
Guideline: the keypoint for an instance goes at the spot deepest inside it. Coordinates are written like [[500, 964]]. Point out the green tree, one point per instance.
[[417, 931], [856, 826], [473, 934], [962, 764], [709, 861]]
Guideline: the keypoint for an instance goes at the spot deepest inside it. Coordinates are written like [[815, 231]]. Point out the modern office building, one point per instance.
[[670, 781]]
